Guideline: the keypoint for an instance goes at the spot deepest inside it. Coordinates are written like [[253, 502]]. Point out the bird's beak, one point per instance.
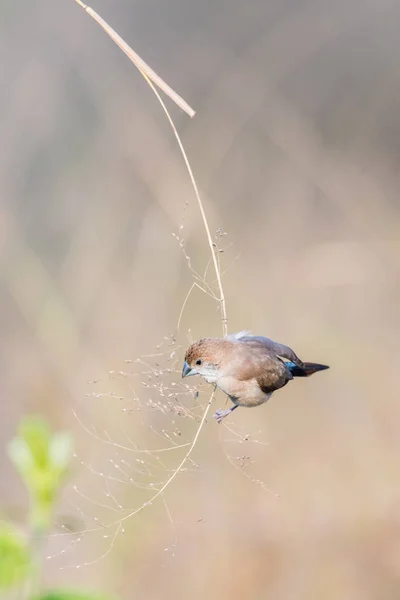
[[187, 371]]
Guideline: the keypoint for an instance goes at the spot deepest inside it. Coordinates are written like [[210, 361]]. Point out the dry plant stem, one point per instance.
[[202, 212], [164, 486], [137, 61], [241, 470], [179, 467], [194, 284], [152, 78], [106, 553], [121, 446]]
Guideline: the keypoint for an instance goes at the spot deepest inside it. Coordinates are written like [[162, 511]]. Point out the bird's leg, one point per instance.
[[221, 414]]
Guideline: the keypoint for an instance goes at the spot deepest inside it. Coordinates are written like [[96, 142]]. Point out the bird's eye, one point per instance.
[[198, 361]]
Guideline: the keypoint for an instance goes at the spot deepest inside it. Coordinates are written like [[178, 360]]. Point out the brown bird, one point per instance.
[[246, 367]]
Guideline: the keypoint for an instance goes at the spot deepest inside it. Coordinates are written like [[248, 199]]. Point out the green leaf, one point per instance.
[[36, 434], [20, 455], [71, 595], [15, 559], [42, 460]]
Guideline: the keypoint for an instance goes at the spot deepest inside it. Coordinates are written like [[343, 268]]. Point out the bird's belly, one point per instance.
[[253, 400], [244, 393]]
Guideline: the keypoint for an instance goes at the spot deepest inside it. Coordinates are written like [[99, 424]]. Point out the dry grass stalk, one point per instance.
[[137, 61]]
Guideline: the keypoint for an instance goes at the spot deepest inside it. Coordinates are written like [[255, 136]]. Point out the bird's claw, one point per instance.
[[221, 414]]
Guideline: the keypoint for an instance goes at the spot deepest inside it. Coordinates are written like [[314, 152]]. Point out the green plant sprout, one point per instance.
[[41, 459]]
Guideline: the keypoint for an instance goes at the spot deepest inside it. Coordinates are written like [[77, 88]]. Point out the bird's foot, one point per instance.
[[221, 414]]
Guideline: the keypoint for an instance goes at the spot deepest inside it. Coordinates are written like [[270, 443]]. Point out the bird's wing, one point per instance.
[[258, 359], [272, 348], [272, 379]]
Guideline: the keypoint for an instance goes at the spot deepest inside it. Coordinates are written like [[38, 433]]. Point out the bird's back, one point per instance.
[[273, 349], [255, 358]]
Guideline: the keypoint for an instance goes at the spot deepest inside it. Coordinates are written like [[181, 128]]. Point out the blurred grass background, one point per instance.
[[295, 146]]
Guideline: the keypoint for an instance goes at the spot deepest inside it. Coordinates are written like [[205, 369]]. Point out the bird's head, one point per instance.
[[203, 358]]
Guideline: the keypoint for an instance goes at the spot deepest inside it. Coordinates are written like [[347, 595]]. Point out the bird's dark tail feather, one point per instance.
[[309, 369]]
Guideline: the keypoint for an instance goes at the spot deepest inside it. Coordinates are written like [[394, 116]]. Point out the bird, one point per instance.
[[247, 368]]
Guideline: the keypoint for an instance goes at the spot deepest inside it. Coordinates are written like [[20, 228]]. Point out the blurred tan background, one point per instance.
[[295, 146]]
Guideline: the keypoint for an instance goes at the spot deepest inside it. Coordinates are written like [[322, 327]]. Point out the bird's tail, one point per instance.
[[308, 369]]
